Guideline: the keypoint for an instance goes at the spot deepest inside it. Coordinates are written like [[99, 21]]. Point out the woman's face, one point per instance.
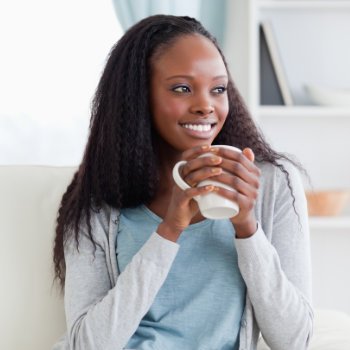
[[188, 93]]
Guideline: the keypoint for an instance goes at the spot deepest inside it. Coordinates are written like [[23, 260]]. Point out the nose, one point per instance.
[[202, 106]]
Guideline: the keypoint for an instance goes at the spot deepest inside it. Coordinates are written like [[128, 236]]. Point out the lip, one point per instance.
[[201, 122]]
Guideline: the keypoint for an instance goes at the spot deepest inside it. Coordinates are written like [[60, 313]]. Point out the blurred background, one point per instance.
[[53, 53]]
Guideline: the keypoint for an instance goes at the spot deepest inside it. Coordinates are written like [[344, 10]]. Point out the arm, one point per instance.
[[278, 273], [98, 315]]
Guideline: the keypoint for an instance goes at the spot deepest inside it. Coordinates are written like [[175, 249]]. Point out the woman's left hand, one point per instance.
[[243, 176]]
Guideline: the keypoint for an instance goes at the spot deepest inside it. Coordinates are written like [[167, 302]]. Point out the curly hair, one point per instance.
[[120, 159]]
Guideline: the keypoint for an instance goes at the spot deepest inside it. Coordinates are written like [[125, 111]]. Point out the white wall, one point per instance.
[[52, 55]]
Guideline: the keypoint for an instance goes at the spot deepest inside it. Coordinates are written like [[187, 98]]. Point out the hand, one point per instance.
[[183, 207], [244, 178]]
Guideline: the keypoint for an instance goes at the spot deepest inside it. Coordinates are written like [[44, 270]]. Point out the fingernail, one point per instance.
[[209, 187], [206, 147], [216, 159], [216, 170], [214, 149], [216, 188]]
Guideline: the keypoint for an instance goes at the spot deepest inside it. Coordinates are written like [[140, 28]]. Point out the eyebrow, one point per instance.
[[191, 78]]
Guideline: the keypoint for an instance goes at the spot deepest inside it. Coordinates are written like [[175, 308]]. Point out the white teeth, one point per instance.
[[201, 128]]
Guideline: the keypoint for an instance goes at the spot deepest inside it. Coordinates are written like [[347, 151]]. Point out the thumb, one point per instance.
[[249, 154]]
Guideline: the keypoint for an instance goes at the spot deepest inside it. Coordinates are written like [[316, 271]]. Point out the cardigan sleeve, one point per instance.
[[102, 316], [278, 272]]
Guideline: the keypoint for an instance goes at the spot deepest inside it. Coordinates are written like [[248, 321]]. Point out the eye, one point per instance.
[[181, 89], [219, 90]]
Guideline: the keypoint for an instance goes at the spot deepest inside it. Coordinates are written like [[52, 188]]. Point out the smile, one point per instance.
[[198, 127]]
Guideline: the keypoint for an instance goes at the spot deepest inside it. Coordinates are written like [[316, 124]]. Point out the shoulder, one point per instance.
[[279, 176], [281, 187], [100, 216], [100, 222], [281, 206]]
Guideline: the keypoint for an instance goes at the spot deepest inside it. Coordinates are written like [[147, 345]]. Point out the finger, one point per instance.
[[197, 151], [239, 157], [249, 154], [202, 174], [238, 184], [244, 202], [198, 163], [237, 169], [192, 192]]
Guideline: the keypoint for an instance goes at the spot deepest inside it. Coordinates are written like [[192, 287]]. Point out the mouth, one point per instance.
[[203, 127], [200, 130]]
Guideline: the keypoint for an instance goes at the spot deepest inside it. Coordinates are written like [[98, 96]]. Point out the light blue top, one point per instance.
[[201, 302]]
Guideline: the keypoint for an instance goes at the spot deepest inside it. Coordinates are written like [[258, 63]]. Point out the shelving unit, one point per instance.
[[303, 111], [242, 52], [242, 45]]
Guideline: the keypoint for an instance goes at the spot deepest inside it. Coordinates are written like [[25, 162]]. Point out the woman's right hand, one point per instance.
[[182, 207]]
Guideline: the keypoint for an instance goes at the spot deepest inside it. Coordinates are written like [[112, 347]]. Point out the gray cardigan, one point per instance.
[[104, 309]]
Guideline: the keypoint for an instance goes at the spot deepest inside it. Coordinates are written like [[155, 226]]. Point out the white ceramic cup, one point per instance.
[[211, 205]]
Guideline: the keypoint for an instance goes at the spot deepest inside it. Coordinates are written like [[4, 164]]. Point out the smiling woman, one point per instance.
[[141, 266]]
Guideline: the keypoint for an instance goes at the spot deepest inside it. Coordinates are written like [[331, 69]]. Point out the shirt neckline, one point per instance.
[[154, 216]]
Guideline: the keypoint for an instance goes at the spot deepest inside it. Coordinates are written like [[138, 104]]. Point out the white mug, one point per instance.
[[211, 205]]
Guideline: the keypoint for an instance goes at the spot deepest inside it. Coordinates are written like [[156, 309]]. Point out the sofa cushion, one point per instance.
[[331, 331], [32, 314]]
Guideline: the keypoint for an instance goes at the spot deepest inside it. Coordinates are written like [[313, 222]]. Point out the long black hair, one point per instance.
[[120, 158]]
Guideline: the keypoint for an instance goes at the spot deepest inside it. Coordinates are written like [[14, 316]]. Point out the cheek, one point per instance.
[[223, 109], [170, 108]]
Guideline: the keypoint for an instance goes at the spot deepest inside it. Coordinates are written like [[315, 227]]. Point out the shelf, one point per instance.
[[304, 4], [303, 111], [329, 223]]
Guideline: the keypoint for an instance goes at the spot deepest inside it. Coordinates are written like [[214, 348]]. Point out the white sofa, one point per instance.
[[32, 315]]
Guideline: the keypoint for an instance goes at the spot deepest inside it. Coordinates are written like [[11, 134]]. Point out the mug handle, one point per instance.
[[177, 178]]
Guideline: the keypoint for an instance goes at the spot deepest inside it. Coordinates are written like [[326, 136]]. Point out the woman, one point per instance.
[[141, 267]]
